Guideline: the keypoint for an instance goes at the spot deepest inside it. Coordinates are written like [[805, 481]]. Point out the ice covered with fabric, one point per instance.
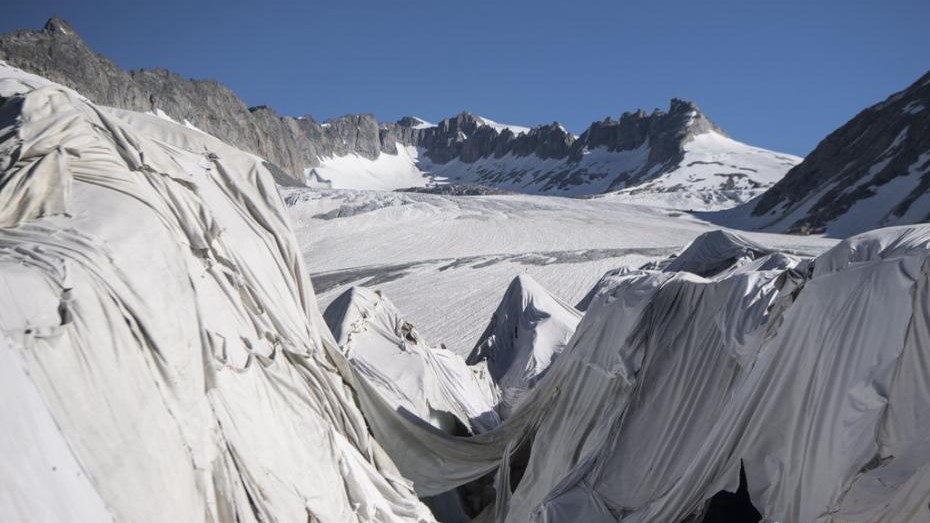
[[429, 382], [161, 352], [811, 375], [526, 334]]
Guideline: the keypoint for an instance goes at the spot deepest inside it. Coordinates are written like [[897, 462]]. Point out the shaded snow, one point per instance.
[[533, 175], [877, 209], [914, 107]]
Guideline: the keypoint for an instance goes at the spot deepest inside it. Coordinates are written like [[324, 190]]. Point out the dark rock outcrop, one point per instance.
[[457, 190]]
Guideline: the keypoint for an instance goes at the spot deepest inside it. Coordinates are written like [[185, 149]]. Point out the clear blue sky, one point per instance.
[[778, 74]]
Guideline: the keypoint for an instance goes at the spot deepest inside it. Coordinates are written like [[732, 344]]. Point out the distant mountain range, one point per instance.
[[677, 158], [873, 171]]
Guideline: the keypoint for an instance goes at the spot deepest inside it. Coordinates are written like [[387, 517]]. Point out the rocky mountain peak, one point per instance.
[[695, 121], [665, 132], [57, 25], [679, 106], [463, 120], [629, 116]]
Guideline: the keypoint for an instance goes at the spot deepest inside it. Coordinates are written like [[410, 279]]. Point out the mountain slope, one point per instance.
[[874, 171], [715, 172]]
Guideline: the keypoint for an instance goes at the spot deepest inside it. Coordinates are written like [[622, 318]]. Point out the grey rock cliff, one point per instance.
[[59, 54], [664, 132]]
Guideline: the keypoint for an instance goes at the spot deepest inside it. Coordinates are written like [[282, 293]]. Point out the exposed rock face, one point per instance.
[[665, 133], [466, 138], [611, 155], [459, 147], [544, 141], [58, 53], [359, 134], [871, 172]]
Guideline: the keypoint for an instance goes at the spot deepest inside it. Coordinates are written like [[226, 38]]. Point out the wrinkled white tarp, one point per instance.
[[162, 355], [714, 251], [431, 383], [528, 331], [817, 381]]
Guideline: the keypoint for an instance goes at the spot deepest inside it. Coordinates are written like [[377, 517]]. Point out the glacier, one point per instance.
[[467, 250]]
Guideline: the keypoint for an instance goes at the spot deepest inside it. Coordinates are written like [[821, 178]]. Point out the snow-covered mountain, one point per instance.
[[715, 172], [676, 158], [872, 172]]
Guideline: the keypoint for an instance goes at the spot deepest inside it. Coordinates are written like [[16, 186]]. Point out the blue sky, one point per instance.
[[775, 74]]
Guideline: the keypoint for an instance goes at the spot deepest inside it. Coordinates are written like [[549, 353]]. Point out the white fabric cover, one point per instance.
[[817, 381], [432, 383], [162, 355], [528, 331]]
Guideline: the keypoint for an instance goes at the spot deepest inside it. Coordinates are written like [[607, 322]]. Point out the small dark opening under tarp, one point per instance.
[[732, 507]]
